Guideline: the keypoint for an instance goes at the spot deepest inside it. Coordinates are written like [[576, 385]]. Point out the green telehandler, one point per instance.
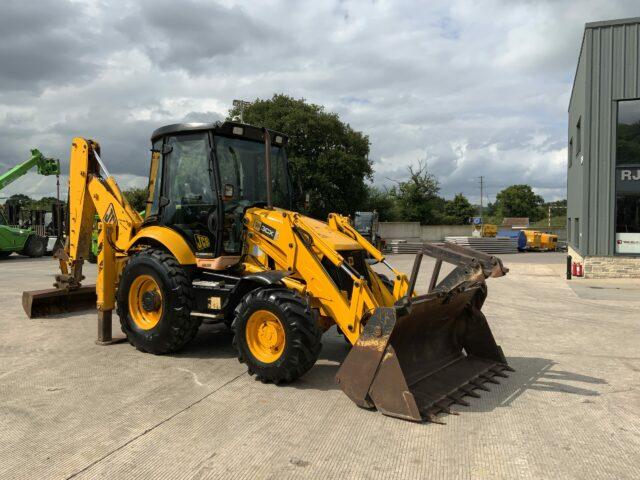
[[24, 240]]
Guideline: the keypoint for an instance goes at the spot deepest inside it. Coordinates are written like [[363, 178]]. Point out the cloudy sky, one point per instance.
[[473, 88]]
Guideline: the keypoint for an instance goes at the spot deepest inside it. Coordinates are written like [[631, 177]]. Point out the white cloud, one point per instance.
[[475, 88]]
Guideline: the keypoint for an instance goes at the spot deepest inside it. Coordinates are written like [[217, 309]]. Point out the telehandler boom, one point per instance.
[[24, 240], [220, 242]]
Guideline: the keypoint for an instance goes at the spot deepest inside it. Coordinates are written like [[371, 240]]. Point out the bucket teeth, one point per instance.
[[459, 400], [445, 408], [479, 385], [488, 378], [470, 392], [434, 419], [498, 372]]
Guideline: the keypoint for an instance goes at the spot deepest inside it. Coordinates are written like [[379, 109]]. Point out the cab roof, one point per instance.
[[228, 129]]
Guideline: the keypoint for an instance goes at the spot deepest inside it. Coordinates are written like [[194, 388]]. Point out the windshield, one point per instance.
[[362, 221], [242, 172]]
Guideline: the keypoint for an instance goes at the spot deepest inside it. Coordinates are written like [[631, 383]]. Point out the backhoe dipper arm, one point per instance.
[[91, 191], [89, 194]]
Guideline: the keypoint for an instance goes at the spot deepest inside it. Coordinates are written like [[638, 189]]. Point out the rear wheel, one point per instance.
[[154, 303], [5, 254], [34, 247], [276, 334]]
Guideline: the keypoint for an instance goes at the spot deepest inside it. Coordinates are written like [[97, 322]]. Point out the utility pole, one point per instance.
[[481, 193], [242, 104]]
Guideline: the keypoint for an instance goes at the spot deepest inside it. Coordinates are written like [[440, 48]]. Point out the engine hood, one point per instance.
[[271, 221], [337, 240]]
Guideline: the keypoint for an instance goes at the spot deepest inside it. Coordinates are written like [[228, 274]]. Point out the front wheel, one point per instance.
[[276, 334], [155, 302]]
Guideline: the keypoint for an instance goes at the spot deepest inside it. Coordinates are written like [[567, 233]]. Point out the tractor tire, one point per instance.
[[92, 257], [155, 302], [276, 334], [34, 247]]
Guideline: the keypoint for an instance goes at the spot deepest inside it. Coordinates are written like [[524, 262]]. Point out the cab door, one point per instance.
[[188, 203]]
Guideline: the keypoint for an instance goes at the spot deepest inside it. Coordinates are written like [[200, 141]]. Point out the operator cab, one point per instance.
[[204, 176]]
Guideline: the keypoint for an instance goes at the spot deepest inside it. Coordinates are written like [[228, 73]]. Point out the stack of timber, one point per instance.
[[404, 246], [491, 245]]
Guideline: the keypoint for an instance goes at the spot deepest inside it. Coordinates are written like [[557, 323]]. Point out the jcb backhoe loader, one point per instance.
[[219, 242]]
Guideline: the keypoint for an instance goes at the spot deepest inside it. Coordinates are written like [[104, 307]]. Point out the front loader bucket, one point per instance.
[[52, 301], [416, 359]]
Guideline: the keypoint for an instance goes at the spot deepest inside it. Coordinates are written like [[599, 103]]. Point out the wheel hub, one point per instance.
[[268, 335], [265, 336], [145, 302], [150, 301]]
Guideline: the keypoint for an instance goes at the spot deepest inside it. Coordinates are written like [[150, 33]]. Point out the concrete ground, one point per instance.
[[71, 409]]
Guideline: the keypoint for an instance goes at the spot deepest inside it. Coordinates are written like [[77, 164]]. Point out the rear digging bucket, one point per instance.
[[53, 301], [415, 361]]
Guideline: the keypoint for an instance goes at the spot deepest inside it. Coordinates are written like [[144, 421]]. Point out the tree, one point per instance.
[[45, 203], [417, 198], [382, 202], [329, 158], [19, 199], [519, 201], [459, 210], [137, 198]]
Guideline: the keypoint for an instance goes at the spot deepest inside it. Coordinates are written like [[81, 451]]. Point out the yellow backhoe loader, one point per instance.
[[219, 242]]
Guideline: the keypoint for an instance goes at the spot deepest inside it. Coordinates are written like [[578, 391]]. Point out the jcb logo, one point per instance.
[[110, 215], [268, 231], [202, 242]]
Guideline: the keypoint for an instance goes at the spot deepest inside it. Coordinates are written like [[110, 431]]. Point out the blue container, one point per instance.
[[522, 241]]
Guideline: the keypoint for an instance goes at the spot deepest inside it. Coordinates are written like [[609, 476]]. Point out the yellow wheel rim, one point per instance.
[[265, 336], [145, 302]]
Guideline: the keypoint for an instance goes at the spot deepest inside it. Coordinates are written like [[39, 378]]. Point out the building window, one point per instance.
[[578, 137], [627, 235], [570, 152], [576, 232]]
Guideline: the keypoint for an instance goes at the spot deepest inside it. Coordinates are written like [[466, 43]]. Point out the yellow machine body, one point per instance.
[[412, 357], [541, 241], [485, 230]]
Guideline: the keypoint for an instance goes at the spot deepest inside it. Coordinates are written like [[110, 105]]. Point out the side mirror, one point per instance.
[[163, 202]]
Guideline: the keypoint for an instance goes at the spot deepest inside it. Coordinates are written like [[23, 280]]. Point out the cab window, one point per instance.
[[188, 188]]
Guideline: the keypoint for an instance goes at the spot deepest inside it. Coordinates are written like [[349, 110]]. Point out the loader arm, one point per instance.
[[297, 247], [341, 224]]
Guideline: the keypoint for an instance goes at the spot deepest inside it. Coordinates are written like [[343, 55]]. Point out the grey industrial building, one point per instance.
[[603, 180]]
